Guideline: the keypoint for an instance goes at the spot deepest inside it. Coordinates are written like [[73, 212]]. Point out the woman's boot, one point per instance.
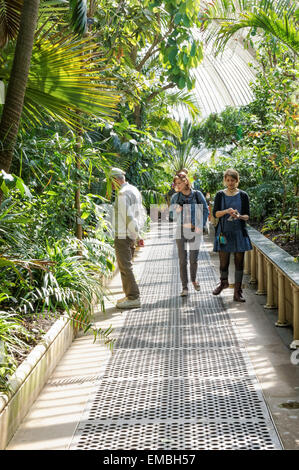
[[238, 292], [223, 285]]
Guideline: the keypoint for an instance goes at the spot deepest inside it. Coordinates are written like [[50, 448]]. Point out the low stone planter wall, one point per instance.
[[31, 376]]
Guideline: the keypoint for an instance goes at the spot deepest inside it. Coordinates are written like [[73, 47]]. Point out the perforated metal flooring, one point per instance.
[[179, 377]]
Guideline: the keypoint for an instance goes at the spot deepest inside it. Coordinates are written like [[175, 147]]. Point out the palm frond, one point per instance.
[[183, 153], [182, 156], [10, 13], [283, 29], [165, 124], [223, 19], [66, 78], [185, 99], [78, 12]]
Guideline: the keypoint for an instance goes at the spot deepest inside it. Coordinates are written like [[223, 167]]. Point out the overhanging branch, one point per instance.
[[157, 92]]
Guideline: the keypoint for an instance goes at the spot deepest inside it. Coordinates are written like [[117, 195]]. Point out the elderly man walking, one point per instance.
[[129, 220]]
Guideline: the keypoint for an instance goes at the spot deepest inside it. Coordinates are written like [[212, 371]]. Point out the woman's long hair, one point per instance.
[[184, 178]]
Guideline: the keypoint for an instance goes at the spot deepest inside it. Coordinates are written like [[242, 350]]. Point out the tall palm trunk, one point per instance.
[[14, 100], [79, 228]]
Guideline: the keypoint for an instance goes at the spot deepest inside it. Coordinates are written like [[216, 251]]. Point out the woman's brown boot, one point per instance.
[[238, 293], [223, 285]]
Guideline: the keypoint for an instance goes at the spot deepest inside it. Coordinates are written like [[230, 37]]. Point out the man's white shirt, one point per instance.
[[129, 213]]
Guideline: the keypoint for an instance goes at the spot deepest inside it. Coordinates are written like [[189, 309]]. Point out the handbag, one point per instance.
[[222, 239]]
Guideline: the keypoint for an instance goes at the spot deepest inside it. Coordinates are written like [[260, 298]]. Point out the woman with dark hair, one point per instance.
[[231, 207], [186, 206]]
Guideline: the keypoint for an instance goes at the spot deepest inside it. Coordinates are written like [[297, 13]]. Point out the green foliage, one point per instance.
[[56, 87], [136, 31], [182, 153], [14, 341], [220, 130], [44, 273], [266, 155], [152, 48], [224, 19], [41, 273], [10, 13], [78, 14], [284, 29]]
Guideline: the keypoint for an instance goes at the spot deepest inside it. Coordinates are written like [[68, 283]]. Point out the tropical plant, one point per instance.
[[152, 45], [56, 87], [182, 154], [14, 342], [10, 14], [223, 129], [223, 19], [13, 106]]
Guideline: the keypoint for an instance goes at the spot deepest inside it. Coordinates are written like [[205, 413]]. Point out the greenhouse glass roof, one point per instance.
[[224, 80], [220, 82]]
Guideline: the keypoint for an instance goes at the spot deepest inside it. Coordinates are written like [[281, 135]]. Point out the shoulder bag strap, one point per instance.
[[222, 208]]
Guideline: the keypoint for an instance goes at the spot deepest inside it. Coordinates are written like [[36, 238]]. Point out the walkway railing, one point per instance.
[[277, 275]]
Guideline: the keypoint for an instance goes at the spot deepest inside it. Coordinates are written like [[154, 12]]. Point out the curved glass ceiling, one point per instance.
[[224, 80], [220, 82]]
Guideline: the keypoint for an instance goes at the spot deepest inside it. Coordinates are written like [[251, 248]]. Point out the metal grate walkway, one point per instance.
[[179, 377]]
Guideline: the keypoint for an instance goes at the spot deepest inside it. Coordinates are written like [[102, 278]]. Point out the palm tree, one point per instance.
[[158, 111], [10, 13], [183, 154], [64, 78], [222, 20], [13, 106]]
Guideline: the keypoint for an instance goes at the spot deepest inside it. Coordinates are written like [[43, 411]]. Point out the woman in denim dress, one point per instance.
[[231, 207]]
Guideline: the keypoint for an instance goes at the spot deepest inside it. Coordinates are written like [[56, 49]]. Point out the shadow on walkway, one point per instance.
[[188, 373]]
